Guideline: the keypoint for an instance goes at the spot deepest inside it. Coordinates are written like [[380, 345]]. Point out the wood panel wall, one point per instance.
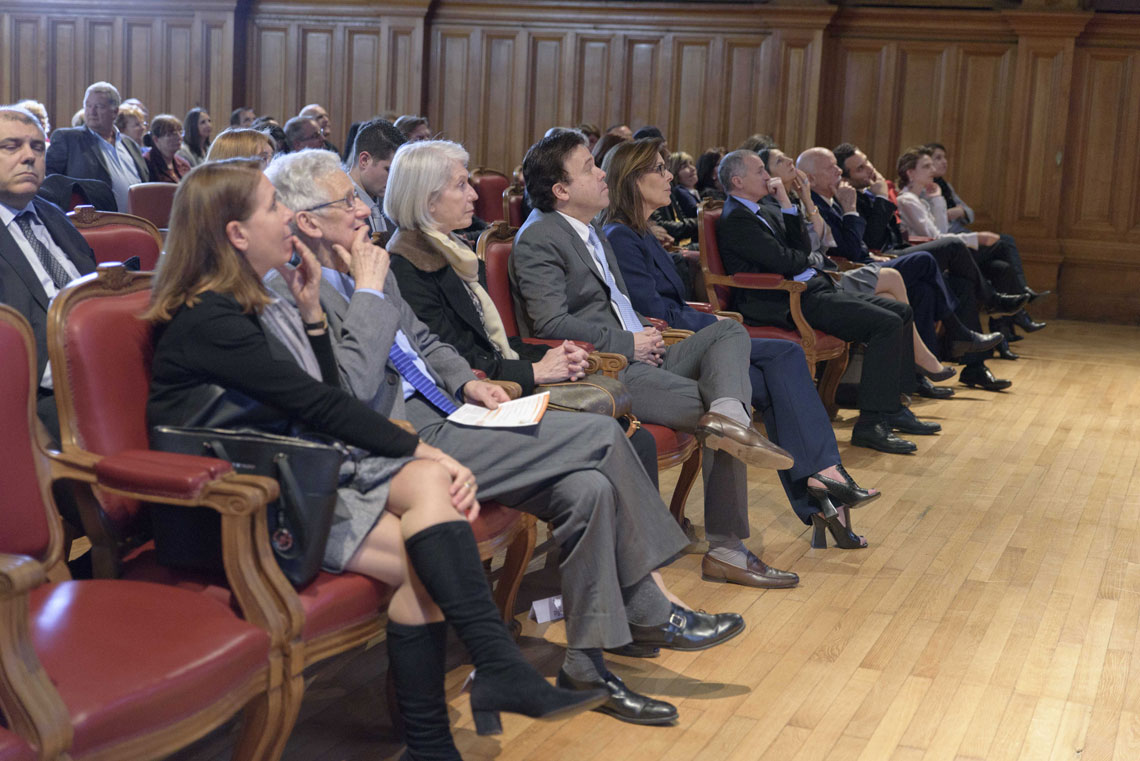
[[1040, 107]]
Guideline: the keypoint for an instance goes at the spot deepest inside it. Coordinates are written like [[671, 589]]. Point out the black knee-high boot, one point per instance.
[[446, 559], [416, 658]]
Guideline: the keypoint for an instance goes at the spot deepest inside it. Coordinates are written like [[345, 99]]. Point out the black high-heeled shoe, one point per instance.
[[845, 492], [828, 519], [946, 373]]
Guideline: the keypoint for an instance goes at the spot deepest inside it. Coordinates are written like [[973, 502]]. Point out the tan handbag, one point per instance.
[[595, 393]]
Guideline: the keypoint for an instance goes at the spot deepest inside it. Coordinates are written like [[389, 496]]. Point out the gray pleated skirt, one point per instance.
[[863, 280], [361, 499]]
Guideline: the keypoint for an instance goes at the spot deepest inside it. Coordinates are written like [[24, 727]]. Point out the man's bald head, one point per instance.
[[821, 168]]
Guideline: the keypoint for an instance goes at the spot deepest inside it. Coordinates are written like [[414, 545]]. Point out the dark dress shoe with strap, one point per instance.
[[905, 421], [980, 376], [930, 391], [689, 630], [1027, 323], [745, 443], [623, 703], [876, 434], [1006, 303], [757, 574]]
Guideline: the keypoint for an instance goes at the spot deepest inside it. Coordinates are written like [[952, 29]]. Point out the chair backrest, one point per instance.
[[512, 206], [25, 505], [708, 215], [117, 237], [152, 202], [494, 248], [490, 185], [100, 352]]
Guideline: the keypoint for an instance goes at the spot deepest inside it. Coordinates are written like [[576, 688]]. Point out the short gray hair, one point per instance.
[[732, 165], [298, 176], [419, 172], [18, 113], [104, 88]]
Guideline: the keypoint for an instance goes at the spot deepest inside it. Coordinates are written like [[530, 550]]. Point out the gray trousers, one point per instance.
[[578, 472], [710, 364]]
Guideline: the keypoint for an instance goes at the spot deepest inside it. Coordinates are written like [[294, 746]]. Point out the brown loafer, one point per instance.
[[745, 443], [757, 574]]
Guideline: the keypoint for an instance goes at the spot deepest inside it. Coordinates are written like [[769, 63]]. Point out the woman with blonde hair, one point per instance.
[[223, 342], [242, 143], [131, 121]]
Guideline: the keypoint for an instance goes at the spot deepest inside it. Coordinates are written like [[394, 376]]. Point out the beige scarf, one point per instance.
[[466, 265]]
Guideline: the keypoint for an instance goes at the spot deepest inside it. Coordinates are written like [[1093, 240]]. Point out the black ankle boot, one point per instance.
[[446, 559], [416, 659]]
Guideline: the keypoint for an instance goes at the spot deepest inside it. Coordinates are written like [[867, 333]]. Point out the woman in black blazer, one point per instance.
[[220, 334]]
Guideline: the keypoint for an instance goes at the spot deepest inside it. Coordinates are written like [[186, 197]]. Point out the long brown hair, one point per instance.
[[199, 256], [627, 163]]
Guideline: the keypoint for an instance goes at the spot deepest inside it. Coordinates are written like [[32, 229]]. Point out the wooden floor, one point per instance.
[[994, 615]]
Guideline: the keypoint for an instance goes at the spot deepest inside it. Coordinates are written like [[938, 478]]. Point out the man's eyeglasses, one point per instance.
[[348, 203]]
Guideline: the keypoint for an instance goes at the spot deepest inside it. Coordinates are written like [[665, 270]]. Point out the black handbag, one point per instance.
[[308, 471]]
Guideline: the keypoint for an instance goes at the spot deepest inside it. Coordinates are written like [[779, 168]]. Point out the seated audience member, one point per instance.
[[414, 127], [752, 238], [913, 277], [139, 105], [302, 132], [651, 132], [782, 387], [79, 118], [162, 160], [242, 117], [38, 110], [402, 518], [605, 145], [276, 136], [131, 122], [591, 131], [568, 286], [40, 250], [98, 151], [621, 130], [317, 113], [757, 142], [708, 183], [197, 129], [242, 143], [684, 194], [575, 471], [961, 216], [350, 138], [261, 122], [676, 218], [376, 142]]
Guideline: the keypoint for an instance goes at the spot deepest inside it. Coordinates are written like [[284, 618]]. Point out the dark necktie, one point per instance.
[[425, 385], [54, 269]]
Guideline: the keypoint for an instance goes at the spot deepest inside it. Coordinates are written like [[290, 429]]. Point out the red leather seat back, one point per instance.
[[499, 283], [711, 252], [117, 243], [108, 352], [13, 747], [152, 201], [514, 208], [490, 186], [23, 515]]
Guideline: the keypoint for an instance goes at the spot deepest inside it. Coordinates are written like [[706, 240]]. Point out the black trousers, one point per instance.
[[1001, 263], [885, 327], [956, 259]]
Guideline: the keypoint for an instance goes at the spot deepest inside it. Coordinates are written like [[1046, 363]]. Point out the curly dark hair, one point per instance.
[[545, 165]]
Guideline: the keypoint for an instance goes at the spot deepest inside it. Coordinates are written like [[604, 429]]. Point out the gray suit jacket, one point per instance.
[[558, 290], [75, 152], [363, 330]]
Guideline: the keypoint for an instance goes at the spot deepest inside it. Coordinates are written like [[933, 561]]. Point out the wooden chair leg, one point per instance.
[[829, 383], [262, 736], [518, 557], [685, 483]]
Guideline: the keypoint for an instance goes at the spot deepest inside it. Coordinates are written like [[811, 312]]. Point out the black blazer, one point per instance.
[[847, 229], [19, 286], [75, 152], [748, 245], [441, 300], [679, 225], [684, 201], [883, 232]]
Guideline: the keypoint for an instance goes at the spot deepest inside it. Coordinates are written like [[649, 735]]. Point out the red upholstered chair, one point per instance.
[[117, 237], [103, 353], [490, 185], [152, 202], [673, 447], [111, 669], [512, 206], [14, 748], [818, 346]]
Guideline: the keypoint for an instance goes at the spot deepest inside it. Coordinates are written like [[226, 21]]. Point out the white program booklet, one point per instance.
[[518, 413]]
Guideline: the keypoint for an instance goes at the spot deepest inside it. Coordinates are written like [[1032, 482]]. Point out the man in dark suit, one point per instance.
[[98, 151], [752, 239], [40, 250], [370, 158]]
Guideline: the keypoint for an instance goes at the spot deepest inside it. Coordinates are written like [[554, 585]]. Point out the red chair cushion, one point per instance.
[[117, 243], [823, 341], [499, 284], [129, 658], [489, 204], [161, 474], [668, 440], [152, 201], [334, 601], [141, 564], [494, 520], [13, 747]]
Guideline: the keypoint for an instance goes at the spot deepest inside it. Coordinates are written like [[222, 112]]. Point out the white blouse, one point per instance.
[[926, 216]]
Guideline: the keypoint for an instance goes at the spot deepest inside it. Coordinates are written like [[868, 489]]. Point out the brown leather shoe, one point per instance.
[[745, 443], [757, 574]]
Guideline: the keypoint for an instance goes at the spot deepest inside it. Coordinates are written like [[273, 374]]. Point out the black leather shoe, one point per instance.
[[634, 650], [689, 630], [1004, 352], [930, 391], [1027, 323], [877, 435], [623, 703], [980, 376], [1034, 295], [1007, 303], [905, 421], [975, 342]]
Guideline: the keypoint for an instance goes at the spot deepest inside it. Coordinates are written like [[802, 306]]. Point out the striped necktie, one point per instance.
[[629, 318], [406, 366], [55, 270]]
